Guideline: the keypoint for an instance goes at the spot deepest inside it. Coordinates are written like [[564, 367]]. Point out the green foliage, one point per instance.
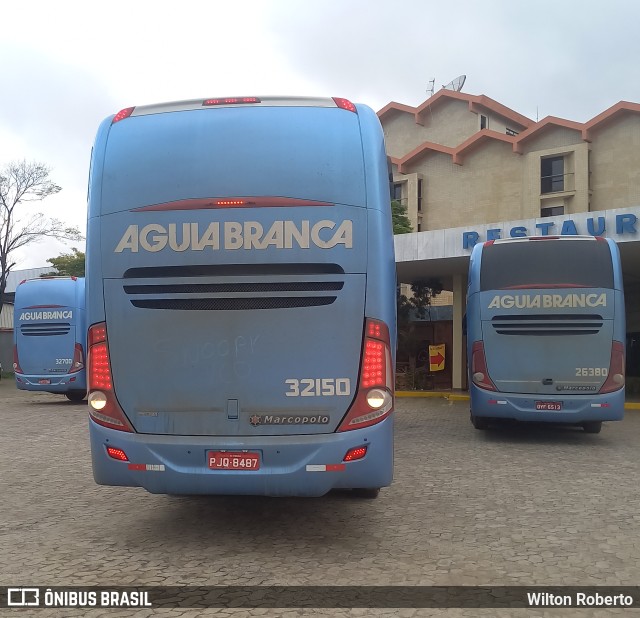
[[421, 294], [70, 264], [401, 223]]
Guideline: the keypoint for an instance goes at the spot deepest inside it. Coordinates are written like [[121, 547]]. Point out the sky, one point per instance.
[[66, 65]]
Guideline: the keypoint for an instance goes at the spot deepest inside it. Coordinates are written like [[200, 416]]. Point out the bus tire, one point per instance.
[[370, 493], [479, 422], [592, 426], [75, 395]]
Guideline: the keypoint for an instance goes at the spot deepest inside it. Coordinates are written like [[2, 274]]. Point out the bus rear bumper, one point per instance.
[[574, 409], [52, 383], [292, 465]]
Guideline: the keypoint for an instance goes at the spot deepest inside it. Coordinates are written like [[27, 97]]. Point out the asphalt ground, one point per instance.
[[522, 505]]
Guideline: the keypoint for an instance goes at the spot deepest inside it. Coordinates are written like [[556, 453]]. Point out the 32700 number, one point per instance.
[[591, 372], [318, 387]]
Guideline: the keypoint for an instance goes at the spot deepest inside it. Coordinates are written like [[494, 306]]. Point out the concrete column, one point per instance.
[[459, 306]]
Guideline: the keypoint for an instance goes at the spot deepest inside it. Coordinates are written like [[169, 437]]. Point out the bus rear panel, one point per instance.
[[546, 331], [50, 336], [241, 299]]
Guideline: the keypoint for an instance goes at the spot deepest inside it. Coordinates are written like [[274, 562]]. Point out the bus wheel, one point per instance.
[[592, 426], [480, 422], [370, 493], [75, 395]]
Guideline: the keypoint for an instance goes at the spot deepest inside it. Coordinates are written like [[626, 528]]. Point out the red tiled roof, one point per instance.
[[481, 137]]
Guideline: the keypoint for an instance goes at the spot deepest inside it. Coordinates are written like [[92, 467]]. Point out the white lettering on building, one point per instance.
[[547, 301], [233, 235]]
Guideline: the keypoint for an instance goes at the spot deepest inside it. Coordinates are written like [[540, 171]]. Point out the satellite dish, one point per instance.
[[456, 84]]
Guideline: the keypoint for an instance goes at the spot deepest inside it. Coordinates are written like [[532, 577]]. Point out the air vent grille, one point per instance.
[[558, 324]]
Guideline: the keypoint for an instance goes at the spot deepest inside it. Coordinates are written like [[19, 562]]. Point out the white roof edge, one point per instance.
[[268, 101]]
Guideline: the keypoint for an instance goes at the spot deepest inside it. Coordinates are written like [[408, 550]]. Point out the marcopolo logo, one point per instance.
[[547, 301], [289, 419], [27, 316], [154, 237]]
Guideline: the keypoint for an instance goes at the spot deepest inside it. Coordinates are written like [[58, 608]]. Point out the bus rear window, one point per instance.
[[563, 263], [312, 153]]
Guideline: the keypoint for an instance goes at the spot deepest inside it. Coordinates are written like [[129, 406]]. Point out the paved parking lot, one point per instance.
[[511, 506]]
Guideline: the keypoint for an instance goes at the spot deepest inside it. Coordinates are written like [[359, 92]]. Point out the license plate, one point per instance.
[[44, 381], [549, 405], [233, 460]]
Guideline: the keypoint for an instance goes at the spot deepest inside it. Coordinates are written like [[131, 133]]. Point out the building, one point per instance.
[[470, 169]]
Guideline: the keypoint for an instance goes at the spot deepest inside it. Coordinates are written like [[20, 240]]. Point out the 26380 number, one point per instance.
[[592, 372]]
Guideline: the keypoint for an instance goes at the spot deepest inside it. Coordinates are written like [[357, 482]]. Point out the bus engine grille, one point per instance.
[[558, 324], [216, 296], [44, 330]]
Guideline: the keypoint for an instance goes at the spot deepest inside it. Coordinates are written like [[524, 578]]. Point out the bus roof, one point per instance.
[[268, 101]]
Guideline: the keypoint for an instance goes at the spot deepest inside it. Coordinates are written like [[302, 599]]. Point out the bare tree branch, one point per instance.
[[23, 182]]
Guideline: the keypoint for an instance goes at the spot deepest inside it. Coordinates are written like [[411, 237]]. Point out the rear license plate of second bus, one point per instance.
[[549, 405], [233, 460]]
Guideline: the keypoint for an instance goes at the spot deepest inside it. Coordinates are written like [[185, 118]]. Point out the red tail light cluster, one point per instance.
[[16, 362], [615, 379], [103, 405], [78, 359], [374, 398], [479, 372]]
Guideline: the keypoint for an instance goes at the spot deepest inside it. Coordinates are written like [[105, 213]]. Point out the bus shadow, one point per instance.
[[57, 403], [541, 433], [232, 523]]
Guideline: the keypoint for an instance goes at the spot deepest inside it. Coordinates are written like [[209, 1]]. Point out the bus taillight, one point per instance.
[[615, 379], [78, 359], [345, 104], [479, 372], [16, 362], [103, 406], [374, 399], [230, 101], [122, 114]]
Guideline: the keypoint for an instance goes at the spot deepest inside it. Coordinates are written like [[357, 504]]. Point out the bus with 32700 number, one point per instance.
[[50, 336]]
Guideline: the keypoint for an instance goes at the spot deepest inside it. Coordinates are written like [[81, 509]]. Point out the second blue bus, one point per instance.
[[50, 336], [546, 331]]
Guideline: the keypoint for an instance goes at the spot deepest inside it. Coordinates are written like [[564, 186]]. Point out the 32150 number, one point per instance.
[[318, 387]]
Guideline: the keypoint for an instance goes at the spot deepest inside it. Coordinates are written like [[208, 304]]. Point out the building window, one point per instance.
[[551, 211], [551, 174], [484, 122], [419, 194], [397, 191]]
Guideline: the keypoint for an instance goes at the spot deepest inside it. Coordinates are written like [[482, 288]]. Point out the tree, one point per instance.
[[70, 264], [22, 182], [401, 223], [413, 306]]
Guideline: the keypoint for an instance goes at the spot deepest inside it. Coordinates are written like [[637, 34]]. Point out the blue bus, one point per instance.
[[546, 331], [241, 298], [50, 336]]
